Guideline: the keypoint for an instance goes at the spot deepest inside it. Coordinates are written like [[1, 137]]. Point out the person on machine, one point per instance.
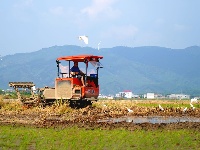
[[75, 71]]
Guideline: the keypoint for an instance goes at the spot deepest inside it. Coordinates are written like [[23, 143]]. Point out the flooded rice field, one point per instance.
[[131, 115], [152, 119]]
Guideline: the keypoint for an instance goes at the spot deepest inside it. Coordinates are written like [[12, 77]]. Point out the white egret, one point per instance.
[[129, 110], [160, 107], [84, 38], [192, 106], [193, 100], [99, 44], [104, 105], [185, 109]]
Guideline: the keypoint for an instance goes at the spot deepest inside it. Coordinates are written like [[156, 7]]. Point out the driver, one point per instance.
[[76, 71]]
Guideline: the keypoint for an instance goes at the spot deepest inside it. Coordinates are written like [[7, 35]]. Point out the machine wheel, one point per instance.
[[79, 103]]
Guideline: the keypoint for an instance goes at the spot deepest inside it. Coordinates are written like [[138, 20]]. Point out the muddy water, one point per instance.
[[152, 119]]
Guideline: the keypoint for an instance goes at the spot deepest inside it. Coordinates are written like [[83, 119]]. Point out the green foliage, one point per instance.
[[18, 137], [1, 92], [10, 95]]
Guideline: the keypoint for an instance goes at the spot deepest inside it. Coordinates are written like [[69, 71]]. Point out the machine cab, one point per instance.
[[78, 85]]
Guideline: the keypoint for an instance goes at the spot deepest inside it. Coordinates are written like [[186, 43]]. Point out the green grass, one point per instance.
[[19, 137]]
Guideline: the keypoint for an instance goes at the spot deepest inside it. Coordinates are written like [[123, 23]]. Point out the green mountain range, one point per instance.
[[139, 69]]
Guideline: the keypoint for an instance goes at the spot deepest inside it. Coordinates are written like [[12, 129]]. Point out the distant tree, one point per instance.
[[1, 91]]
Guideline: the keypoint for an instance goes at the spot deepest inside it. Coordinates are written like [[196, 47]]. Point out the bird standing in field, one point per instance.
[[192, 106], [129, 110], [185, 109], [160, 107], [104, 105], [193, 100]]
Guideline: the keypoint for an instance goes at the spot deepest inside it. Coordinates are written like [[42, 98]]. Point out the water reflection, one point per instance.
[[152, 119]]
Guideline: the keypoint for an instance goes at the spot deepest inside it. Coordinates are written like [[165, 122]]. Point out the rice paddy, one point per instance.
[[61, 127]]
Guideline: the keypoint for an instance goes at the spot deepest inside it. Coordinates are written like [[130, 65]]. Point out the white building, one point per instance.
[[149, 96], [102, 96], [179, 96], [126, 94], [110, 97]]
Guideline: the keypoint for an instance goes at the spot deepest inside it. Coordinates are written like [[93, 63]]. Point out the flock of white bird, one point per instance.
[[193, 100]]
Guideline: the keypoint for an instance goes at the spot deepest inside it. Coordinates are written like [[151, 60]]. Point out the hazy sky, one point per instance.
[[30, 25]]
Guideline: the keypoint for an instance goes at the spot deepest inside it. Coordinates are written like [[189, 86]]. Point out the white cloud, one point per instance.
[[101, 8]]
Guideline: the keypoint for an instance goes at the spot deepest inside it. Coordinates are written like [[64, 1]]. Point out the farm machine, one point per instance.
[[78, 89]]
